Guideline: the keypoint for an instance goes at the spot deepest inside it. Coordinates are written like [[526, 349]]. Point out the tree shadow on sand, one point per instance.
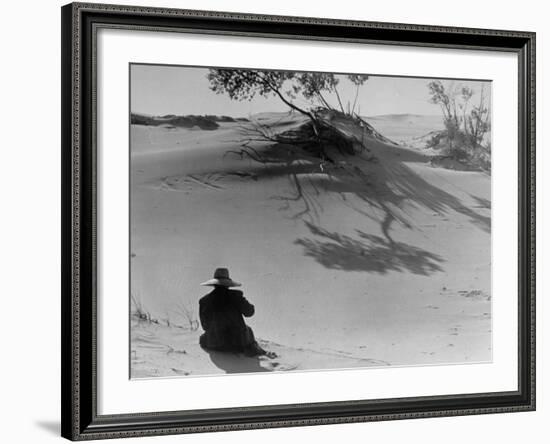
[[393, 189], [369, 253], [390, 186], [235, 362], [379, 184]]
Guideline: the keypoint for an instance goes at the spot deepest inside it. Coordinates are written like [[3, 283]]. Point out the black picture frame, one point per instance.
[[80, 420]]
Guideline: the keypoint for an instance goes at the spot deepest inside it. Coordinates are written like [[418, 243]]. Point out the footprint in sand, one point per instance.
[[454, 330], [479, 295]]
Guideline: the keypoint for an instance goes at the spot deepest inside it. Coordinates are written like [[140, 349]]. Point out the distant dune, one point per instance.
[[411, 130], [206, 122], [404, 116]]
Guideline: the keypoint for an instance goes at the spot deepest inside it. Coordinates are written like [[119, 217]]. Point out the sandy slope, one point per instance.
[[159, 350], [384, 262]]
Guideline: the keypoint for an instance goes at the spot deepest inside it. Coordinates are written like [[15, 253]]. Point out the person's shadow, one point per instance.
[[232, 362]]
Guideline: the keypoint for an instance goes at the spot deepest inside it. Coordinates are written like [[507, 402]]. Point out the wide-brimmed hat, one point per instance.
[[221, 277]]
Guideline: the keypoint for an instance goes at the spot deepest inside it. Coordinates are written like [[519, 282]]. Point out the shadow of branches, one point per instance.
[[390, 186], [369, 253], [385, 187], [394, 188]]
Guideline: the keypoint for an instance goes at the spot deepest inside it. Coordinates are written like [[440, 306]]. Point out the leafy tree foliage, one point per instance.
[[241, 84], [466, 124]]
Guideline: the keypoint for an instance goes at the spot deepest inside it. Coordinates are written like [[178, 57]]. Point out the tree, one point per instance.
[[312, 85], [446, 99], [465, 125], [478, 121], [358, 80], [313, 88], [241, 84]]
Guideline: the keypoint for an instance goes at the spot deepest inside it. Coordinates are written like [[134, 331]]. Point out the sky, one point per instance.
[[181, 90]]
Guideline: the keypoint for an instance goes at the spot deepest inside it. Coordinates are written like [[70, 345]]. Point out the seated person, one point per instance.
[[221, 314]]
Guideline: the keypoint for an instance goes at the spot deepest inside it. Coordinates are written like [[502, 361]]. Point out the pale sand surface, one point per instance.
[[386, 263]]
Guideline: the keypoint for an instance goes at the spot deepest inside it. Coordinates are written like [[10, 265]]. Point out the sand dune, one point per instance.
[[384, 261], [410, 130], [171, 121]]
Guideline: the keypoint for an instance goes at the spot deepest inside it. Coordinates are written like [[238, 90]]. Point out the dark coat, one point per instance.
[[221, 314]]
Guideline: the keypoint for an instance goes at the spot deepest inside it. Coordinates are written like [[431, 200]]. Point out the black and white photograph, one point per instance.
[[296, 221]]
